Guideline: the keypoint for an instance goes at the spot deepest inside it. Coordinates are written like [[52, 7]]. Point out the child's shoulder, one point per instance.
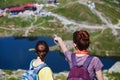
[[46, 69]]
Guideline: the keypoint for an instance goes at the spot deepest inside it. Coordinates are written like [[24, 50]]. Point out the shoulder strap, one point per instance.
[[87, 61], [38, 68], [73, 59], [31, 65], [85, 64]]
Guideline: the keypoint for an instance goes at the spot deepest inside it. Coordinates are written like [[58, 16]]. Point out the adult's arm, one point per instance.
[[99, 75]]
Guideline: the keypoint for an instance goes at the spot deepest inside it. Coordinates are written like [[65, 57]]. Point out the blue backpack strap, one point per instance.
[[38, 68], [87, 61], [31, 65], [41, 66]]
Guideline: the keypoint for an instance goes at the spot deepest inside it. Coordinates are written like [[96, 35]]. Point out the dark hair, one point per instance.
[[41, 49], [81, 39]]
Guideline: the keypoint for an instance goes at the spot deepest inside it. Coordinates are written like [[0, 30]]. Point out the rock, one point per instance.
[[115, 68], [2, 75]]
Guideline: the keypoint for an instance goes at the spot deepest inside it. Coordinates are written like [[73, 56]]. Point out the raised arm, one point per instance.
[[61, 43]]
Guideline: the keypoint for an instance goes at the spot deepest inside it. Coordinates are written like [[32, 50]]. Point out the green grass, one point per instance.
[[17, 22], [43, 26], [5, 3], [113, 76], [12, 74], [9, 72], [79, 13], [13, 78], [103, 42], [60, 77], [65, 2], [112, 3]]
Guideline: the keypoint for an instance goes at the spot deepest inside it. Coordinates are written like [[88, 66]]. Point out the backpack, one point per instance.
[[32, 73], [79, 72]]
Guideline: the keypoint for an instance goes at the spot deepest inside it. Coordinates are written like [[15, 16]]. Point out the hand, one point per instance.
[[57, 39]]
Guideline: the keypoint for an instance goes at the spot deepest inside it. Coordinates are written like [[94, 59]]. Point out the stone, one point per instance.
[[115, 68], [2, 75]]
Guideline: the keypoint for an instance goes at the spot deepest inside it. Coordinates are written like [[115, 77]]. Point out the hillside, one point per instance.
[[102, 22]]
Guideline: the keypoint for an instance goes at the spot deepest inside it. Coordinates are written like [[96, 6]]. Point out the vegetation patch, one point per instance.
[[60, 77], [79, 13], [16, 22], [104, 43], [13, 78], [6, 3], [113, 76]]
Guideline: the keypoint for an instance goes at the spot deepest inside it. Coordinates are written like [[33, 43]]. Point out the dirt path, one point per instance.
[[66, 22], [108, 24], [5, 28], [28, 30], [31, 27]]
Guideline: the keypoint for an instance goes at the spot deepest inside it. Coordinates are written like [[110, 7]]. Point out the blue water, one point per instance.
[[14, 54]]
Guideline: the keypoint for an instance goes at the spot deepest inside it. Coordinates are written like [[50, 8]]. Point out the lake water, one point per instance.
[[15, 54]]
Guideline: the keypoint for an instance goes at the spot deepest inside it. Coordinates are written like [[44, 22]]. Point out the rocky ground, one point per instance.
[[16, 75]]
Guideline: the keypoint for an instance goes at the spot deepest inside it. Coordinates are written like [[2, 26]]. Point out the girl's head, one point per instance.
[[81, 39], [41, 49]]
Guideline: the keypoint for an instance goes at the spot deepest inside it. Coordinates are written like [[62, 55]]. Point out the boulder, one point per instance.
[[2, 75], [115, 68]]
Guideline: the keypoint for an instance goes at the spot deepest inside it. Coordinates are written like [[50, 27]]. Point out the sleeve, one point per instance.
[[68, 55], [97, 64], [45, 74]]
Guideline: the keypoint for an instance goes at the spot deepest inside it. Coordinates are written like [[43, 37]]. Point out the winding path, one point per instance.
[[66, 22]]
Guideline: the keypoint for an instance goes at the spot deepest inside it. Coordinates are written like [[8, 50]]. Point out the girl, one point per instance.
[[42, 50]]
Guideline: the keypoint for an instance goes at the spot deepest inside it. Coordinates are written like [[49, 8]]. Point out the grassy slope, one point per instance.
[[104, 42], [78, 12], [17, 22]]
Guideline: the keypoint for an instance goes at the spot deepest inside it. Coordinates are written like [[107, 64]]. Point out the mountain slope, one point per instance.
[[75, 12]]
